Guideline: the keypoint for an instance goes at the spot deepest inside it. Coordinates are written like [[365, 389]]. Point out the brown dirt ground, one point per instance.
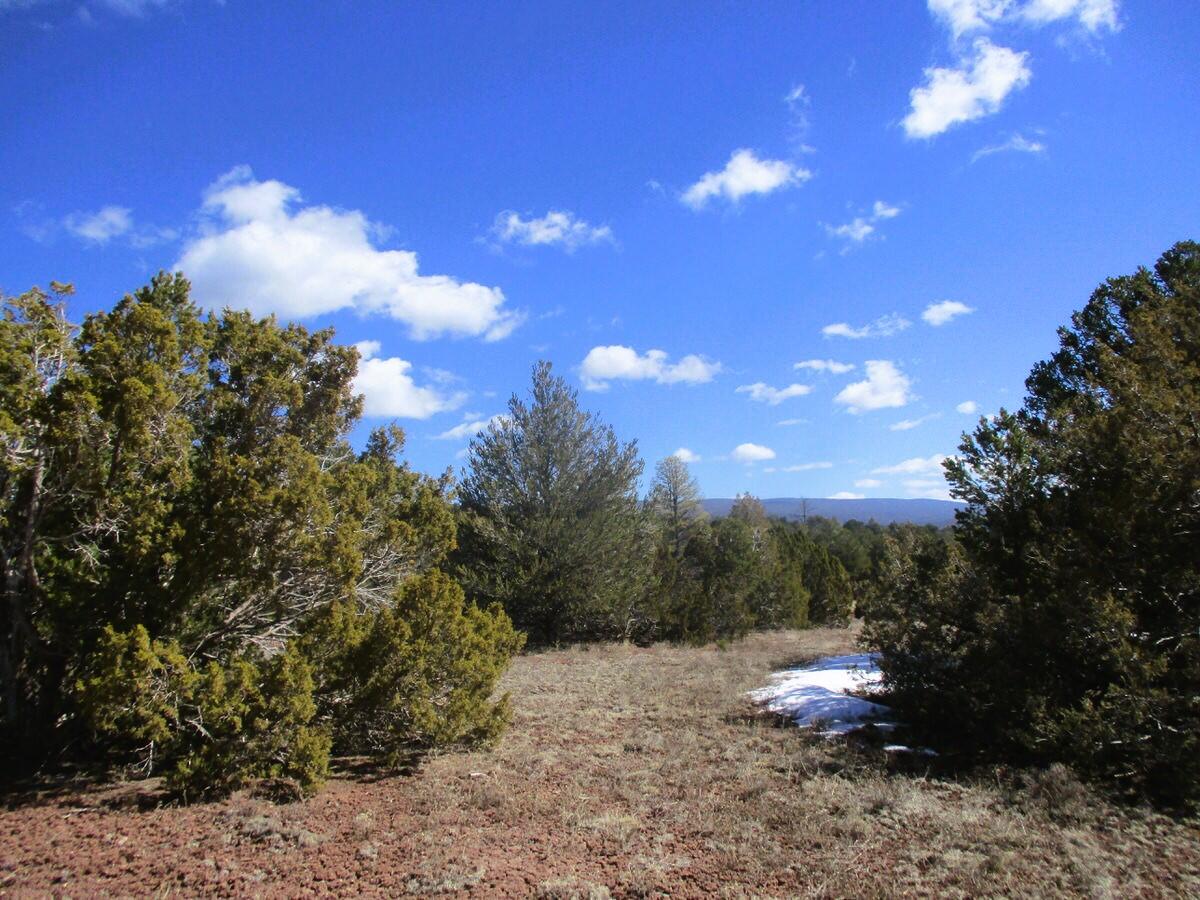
[[627, 772]]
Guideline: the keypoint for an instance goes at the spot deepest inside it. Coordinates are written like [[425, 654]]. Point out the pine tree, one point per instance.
[[550, 525], [674, 501]]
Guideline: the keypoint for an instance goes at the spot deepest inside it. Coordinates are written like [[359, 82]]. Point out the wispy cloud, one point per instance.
[[927, 489], [773, 396], [555, 228], [1015, 144], [107, 225], [805, 467], [884, 326], [862, 227], [967, 16], [101, 226], [825, 365], [910, 424], [916, 465], [470, 428]]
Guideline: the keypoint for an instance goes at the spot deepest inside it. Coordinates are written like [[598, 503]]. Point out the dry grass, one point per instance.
[[652, 758], [627, 772]]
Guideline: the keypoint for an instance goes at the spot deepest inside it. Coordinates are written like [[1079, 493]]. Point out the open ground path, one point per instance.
[[627, 772]]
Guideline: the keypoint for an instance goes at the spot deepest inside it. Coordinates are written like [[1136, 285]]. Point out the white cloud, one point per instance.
[[927, 489], [806, 467], [104, 225], [368, 349], [943, 311], [909, 424], [744, 174], [789, 422], [752, 453], [612, 363], [684, 455], [130, 8], [388, 389], [968, 407], [555, 227], [825, 365], [965, 16], [134, 8], [917, 465], [977, 88], [101, 226], [1093, 15], [1016, 144], [881, 210], [862, 227], [884, 326], [868, 483], [845, 495], [255, 252], [470, 428], [773, 396], [885, 387], [857, 230]]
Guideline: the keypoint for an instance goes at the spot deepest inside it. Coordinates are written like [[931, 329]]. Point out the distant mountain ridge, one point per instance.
[[883, 510]]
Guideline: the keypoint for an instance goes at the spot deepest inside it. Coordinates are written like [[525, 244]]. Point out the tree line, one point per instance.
[[552, 528], [205, 580]]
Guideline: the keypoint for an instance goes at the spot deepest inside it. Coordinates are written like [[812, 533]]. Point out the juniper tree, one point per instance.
[[179, 507], [1067, 625]]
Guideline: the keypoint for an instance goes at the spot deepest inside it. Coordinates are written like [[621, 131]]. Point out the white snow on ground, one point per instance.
[[823, 694]]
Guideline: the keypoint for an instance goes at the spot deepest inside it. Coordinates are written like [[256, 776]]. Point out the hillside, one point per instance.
[[882, 510]]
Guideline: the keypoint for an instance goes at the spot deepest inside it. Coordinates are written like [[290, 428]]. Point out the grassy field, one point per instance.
[[627, 772]]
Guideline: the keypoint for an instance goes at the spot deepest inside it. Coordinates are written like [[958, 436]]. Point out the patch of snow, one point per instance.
[[900, 748], [825, 693]]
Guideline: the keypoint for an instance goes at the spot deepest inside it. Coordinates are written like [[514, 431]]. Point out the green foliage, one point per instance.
[[727, 581], [742, 572], [791, 605], [132, 689], [1067, 627], [830, 591], [674, 504], [550, 526], [250, 719], [414, 675], [207, 730], [174, 488]]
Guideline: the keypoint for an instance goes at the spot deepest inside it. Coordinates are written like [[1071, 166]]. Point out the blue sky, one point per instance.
[[675, 203]]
